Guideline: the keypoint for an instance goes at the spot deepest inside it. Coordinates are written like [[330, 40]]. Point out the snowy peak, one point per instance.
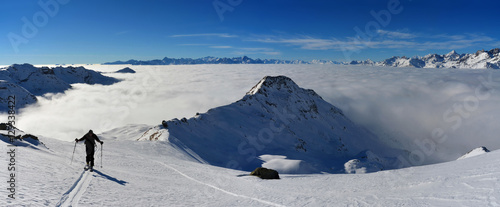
[[452, 53], [274, 84], [278, 118], [452, 56], [479, 60], [281, 92], [474, 152]]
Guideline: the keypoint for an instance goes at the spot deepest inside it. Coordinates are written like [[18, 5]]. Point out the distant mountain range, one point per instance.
[[480, 60], [206, 60]]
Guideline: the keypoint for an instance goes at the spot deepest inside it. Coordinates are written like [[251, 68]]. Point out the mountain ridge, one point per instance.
[[25, 82], [276, 118], [205, 60], [479, 60]]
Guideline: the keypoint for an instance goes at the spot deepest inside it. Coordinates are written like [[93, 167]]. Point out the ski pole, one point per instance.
[[73, 153], [101, 155]]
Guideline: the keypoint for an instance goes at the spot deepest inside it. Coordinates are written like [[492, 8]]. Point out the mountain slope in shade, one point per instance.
[[276, 118]]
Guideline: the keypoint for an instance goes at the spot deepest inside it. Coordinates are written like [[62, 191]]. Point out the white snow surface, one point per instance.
[[159, 174], [288, 166]]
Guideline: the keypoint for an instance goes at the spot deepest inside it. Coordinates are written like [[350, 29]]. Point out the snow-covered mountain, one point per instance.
[[206, 60], [37, 81], [474, 152], [362, 62], [324, 62], [275, 119], [23, 96], [80, 74], [26, 81], [480, 60], [126, 70]]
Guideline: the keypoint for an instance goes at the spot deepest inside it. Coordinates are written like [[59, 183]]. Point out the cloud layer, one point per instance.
[[452, 111], [382, 39]]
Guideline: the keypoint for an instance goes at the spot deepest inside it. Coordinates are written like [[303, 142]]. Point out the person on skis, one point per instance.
[[90, 139]]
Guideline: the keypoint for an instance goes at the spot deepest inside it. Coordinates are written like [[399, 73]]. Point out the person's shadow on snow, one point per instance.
[[121, 182]]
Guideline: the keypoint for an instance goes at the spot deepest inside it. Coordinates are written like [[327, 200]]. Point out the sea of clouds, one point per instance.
[[435, 114]]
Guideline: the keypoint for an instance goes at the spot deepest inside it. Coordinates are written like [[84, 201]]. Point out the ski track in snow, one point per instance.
[[219, 189], [73, 195]]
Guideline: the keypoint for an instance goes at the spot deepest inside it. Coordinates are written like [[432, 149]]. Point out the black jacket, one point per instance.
[[89, 139]]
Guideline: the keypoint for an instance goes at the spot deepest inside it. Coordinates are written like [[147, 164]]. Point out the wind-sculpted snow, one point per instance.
[[276, 117]]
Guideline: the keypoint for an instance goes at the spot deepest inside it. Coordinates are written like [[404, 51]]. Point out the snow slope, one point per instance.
[[276, 117], [160, 174]]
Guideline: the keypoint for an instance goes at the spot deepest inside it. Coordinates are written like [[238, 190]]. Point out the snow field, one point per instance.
[[156, 174]]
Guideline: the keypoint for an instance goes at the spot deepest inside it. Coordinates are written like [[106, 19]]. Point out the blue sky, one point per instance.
[[91, 31]]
